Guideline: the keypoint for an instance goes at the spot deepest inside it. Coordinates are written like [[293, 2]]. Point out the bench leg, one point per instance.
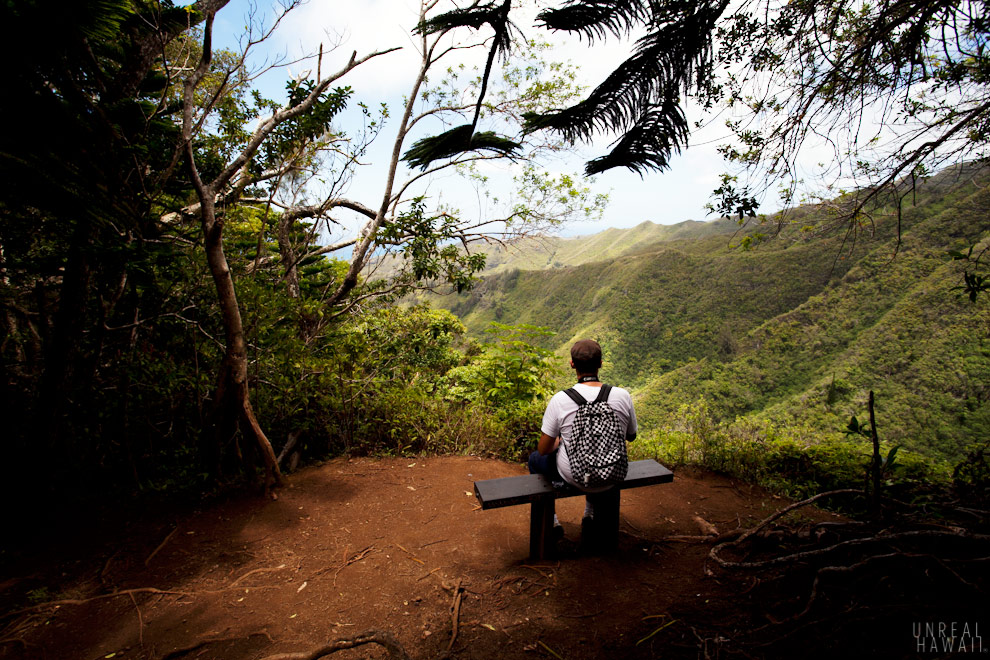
[[606, 525], [542, 544]]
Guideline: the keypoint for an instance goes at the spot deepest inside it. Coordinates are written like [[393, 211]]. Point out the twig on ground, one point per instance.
[[254, 572], [353, 559], [426, 545], [411, 555], [423, 577], [666, 625], [160, 546]]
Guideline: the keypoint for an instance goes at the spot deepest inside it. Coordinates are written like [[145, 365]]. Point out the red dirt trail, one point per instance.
[[384, 543]]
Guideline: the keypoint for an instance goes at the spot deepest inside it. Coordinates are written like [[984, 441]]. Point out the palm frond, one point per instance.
[[456, 141], [641, 89], [495, 14], [594, 19], [649, 144], [474, 16]]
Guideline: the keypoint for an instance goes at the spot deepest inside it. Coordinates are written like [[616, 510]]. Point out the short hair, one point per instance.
[[586, 354]]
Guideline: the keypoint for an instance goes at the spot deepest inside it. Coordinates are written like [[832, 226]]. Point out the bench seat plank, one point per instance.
[[508, 491]]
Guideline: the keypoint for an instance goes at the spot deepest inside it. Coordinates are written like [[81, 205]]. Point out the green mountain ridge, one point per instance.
[[537, 253], [795, 332]]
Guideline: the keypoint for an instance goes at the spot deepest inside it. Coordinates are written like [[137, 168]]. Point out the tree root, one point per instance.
[[353, 559], [140, 621], [179, 652], [797, 505], [800, 556], [455, 618], [127, 592], [381, 637]]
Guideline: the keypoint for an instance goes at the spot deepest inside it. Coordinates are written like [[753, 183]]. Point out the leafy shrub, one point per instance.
[[510, 380], [795, 461]]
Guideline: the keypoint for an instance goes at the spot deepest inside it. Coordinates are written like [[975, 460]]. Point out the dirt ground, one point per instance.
[[395, 544]]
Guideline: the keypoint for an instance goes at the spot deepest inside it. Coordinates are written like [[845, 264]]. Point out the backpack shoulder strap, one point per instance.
[[575, 397], [603, 393]]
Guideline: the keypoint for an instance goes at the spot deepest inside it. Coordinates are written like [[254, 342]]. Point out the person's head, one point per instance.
[[586, 357]]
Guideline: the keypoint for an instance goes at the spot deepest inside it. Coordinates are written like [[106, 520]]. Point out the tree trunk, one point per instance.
[[65, 338], [289, 257], [875, 467], [233, 403]]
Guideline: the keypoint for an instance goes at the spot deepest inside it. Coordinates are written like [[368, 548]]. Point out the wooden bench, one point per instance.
[[536, 489]]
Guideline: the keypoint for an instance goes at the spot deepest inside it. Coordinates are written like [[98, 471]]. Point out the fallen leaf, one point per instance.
[[468, 493], [411, 465], [410, 488], [489, 626], [293, 616]]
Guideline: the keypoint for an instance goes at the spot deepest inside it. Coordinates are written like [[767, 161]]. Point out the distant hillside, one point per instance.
[[779, 331], [554, 252], [891, 325]]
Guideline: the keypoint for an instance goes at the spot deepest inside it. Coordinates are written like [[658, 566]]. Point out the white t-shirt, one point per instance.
[[559, 418]]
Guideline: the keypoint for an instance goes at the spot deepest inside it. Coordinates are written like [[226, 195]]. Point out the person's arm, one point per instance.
[[633, 424], [550, 428], [547, 444]]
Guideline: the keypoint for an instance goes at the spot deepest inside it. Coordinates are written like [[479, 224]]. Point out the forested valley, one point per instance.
[[245, 399], [780, 343]]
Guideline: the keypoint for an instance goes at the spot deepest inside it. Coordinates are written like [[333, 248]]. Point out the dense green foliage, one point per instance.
[[169, 314], [797, 460]]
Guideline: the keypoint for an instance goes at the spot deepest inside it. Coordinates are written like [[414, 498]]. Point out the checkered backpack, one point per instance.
[[597, 448]]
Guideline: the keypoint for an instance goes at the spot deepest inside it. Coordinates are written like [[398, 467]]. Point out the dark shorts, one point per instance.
[[545, 465]]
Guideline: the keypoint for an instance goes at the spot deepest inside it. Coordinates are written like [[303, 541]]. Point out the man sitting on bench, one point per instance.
[[551, 457]]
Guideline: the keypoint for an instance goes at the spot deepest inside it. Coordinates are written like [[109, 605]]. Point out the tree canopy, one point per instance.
[[893, 88], [171, 240]]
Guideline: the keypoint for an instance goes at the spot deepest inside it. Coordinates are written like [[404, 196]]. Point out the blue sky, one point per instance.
[[352, 25]]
